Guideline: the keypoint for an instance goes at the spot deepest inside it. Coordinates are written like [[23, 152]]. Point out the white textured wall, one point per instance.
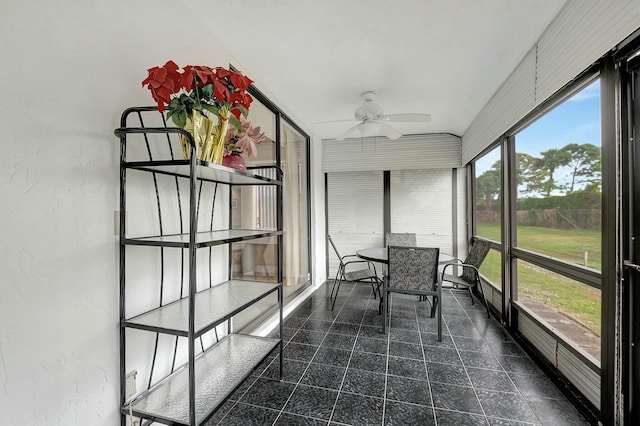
[[68, 70]]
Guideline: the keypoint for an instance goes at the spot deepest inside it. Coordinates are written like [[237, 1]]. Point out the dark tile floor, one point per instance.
[[340, 370]]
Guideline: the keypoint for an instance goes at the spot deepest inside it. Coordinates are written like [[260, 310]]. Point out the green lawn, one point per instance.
[[575, 299], [563, 244]]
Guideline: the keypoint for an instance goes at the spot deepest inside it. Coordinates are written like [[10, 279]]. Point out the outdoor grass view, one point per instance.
[[557, 214]]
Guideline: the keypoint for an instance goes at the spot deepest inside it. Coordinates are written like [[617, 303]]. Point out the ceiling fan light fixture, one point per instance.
[[368, 111]]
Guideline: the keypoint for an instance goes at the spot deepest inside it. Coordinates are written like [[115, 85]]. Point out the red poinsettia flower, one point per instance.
[[205, 87], [163, 82]]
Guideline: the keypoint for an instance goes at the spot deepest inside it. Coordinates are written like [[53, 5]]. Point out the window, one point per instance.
[[488, 210], [558, 215], [488, 191]]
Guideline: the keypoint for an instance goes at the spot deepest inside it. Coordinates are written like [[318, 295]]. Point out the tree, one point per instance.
[[584, 161], [550, 161], [528, 176], [488, 185]]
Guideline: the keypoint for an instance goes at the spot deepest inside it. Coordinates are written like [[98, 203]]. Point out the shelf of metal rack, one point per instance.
[[213, 306], [220, 370]]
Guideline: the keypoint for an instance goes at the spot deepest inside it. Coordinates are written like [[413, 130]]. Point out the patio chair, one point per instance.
[[470, 276], [413, 270], [400, 239], [353, 271]]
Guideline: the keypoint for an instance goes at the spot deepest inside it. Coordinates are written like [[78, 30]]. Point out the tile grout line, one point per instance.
[[424, 361], [353, 348], [386, 367], [455, 345], [506, 373], [310, 360]]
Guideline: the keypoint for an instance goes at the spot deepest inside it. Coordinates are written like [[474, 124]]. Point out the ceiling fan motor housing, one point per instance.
[[369, 111]]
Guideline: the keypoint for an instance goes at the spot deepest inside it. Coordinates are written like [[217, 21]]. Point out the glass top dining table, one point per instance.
[[379, 254]]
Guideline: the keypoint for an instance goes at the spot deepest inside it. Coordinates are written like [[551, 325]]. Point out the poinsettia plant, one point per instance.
[[218, 91], [244, 139]]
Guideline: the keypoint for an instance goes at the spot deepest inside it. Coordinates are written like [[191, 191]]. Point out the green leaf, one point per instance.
[[235, 122], [180, 119], [243, 110], [206, 91], [211, 108]]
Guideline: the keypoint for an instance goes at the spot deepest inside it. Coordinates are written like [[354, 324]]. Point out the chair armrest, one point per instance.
[[466, 265], [351, 256], [359, 261]]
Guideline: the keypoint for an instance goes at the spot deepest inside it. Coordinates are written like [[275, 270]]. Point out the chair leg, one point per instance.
[[335, 280], [439, 313], [384, 301], [434, 304], [373, 287], [471, 295], [380, 282], [333, 301], [339, 281]]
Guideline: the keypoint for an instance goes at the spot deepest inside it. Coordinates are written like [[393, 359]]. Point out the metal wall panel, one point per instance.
[[583, 377], [579, 36], [543, 341], [582, 32], [496, 298], [511, 102], [430, 151]]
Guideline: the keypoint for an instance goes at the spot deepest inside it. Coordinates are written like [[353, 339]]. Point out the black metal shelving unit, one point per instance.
[[192, 393]]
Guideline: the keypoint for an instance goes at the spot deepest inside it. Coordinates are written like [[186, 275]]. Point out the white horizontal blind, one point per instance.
[[430, 151], [421, 202], [355, 213], [583, 31]]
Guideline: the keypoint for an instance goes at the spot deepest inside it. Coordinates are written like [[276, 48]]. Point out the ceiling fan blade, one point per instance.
[[389, 132], [351, 120], [408, 118], [350, 131]]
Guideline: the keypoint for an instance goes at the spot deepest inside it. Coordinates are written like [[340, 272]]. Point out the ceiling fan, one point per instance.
[[371, 113]]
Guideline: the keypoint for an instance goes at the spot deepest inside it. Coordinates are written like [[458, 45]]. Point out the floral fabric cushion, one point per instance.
[[413, 268], [403, 239], [478, 252]]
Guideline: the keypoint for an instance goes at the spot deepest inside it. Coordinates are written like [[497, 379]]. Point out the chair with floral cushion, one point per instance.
[[400, 239], [470, 276], [353, 271], [412, 270]]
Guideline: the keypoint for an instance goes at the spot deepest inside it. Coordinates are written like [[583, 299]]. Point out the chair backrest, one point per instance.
[[335, 249], [400, 239], [413, 268], [477, 253]]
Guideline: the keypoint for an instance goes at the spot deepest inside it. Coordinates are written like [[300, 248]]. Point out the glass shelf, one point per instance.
[[212, 306], [204, 171], [219, 371], [203, 239]]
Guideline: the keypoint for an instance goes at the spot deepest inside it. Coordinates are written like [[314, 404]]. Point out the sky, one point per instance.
[[577, 120]]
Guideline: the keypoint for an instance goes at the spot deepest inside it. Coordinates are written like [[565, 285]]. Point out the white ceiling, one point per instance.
[[442, 57]]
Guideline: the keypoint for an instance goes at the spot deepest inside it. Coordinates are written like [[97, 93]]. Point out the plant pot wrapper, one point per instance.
[[209, 138]]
